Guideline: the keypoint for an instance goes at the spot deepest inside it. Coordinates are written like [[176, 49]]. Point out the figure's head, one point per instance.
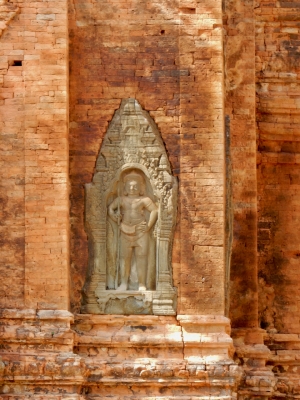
[[133, 184]]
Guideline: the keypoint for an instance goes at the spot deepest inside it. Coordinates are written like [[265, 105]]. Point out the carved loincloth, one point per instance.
[[129, 232], [130, 238]]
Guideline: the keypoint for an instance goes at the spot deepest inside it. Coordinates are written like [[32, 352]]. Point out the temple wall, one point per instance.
[[12, 156], [193, 66], [35, 156], [167, 55], [277, 74], [278, 120], [239, 57]]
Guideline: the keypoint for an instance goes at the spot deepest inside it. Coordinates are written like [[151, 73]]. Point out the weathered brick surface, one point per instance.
[[35, 154], [170, 59], [12, 225], [42, 354], [285, 363], [239, 52], [278, 117], [169, 56]]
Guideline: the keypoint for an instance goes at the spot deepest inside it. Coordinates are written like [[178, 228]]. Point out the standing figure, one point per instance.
[[128, 211]]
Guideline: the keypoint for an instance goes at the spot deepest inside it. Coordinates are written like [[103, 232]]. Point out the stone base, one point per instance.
[[115, 357], [133, 302], [258, 380], [284, 361], [125, 303], [154, 356]]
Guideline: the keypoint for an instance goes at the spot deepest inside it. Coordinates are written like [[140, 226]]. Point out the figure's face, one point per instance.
[[133, 187]]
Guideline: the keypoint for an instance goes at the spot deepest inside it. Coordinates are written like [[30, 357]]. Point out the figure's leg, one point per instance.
[[141, 262], [141, 254], [125, 264]]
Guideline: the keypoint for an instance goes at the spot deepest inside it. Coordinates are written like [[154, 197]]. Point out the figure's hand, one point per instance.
[[116, 217], [142, 227]]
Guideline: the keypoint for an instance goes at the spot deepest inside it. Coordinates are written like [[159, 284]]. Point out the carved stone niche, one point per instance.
[[130, 215]]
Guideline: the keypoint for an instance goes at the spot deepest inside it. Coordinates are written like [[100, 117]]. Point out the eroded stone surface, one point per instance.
[[104, 355]]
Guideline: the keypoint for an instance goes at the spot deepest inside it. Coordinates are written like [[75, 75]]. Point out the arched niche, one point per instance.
[[132, 150]]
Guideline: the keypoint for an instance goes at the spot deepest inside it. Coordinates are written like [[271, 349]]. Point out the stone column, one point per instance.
[[240, 109]]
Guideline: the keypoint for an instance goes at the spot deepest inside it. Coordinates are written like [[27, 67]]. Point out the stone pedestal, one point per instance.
[[115, 357], [156, 356], [284, 362], [37, 356], [258, 379]]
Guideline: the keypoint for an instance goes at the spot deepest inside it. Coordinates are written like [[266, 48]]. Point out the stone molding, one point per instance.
[[97, 354], [258, 379], [284, 362]]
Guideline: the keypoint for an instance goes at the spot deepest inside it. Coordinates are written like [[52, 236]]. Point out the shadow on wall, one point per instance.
[[278, 292]]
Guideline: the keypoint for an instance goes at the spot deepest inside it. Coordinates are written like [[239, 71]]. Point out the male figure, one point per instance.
[[129, 212]]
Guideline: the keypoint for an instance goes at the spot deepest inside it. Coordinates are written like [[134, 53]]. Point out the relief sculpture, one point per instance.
[[130, 218], [134, 230]]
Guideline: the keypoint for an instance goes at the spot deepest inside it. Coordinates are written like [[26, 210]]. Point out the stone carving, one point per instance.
[[130, 218], [133, 230]]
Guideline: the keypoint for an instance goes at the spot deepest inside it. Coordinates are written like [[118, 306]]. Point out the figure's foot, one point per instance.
[[123, 286], [142, 287]]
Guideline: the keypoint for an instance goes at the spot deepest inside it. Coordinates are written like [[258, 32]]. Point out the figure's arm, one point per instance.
[[151, 207], [115, 216], [152, 219]]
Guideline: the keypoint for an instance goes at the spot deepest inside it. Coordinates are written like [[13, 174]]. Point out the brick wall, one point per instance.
[[12, 159], [35, 132], [239, 55], [168, 55], [278, 105]]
